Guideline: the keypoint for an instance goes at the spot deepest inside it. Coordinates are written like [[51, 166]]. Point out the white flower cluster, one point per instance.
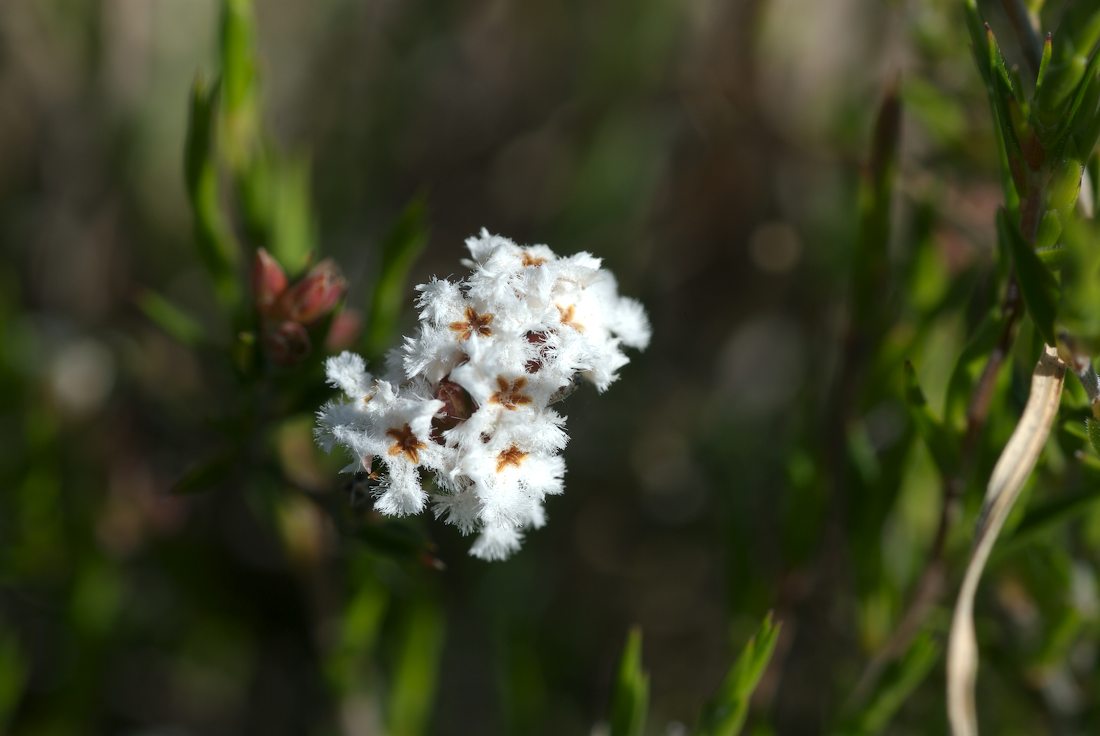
[[468, 397]]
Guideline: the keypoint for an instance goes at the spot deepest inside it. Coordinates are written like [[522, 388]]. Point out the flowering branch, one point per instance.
[[468, 397]]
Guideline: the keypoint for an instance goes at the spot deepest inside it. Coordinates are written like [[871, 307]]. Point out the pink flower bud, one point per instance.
[[287, 343], [344, 331], [268, 280], [315, 295]]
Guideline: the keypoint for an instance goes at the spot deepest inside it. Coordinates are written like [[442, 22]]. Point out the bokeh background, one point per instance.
[[710, 151]]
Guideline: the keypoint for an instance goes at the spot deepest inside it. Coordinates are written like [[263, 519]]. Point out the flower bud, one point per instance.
[[458, 406], [287, 343], [344, 330], [268, 280], [315, 295]]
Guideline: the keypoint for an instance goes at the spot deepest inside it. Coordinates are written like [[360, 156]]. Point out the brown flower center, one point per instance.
[[530, 260], [568, 317], [474, 323], [510, 395], [405, 443], [536, 338], [512, 456]]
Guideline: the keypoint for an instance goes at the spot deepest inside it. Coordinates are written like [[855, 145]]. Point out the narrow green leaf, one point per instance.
[[416, 671], [256, 185], [1052, 256], [1044, 64], [360, 622], [630, 701], [1079, 308], [725, 715], [170, 318], [217, 247], [964, 374], [399, 251], [975, 27], [895, 686], [1006, 100], [294, 232], [240, 115], [1037, 284], [870, 260], [1045, 517], [1092, 427], [937, 437], [1082, 108]]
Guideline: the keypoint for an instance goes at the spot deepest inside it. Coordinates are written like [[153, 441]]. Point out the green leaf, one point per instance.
[[895, 686], [1045, 517], [400, 250], [1044, 64], [870, 259], [1006, 101], [416, 671], [1037, 284], [293, 230], [963, 375], [170, 318], [360, 622], [1093, 428], [1079, 310], [975, 27], [217, 247], [630, 701], [240, 117], [725, 714], [939, 440]]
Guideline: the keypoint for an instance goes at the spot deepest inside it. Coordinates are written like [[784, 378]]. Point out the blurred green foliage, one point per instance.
[[852, 253]]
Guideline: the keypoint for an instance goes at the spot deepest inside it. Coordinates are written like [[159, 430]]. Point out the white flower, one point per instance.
[[468, 395]]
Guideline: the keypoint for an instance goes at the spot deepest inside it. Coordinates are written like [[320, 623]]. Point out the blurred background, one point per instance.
[[758, 456]]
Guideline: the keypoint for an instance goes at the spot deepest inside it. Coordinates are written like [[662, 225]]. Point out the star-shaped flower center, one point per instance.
[[405, 442], [474, 323], [568, 317], [512, 456], [510, 395], [530, 260]]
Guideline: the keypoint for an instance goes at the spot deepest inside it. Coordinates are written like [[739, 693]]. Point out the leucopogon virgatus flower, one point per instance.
[[467, 399]]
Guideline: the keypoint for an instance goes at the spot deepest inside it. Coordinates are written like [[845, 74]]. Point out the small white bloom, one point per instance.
[[348, 372], [467, 397]]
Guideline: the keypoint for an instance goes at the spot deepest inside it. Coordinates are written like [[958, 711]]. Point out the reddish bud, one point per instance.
[[287, 343], [458, 406], [268, 280], [315, 295], [344, 330]]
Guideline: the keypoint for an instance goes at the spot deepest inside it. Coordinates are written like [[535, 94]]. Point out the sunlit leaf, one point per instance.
[[630, 701], [725, 715]]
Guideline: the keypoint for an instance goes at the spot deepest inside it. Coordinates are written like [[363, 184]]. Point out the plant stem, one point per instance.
[[930, 585]]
